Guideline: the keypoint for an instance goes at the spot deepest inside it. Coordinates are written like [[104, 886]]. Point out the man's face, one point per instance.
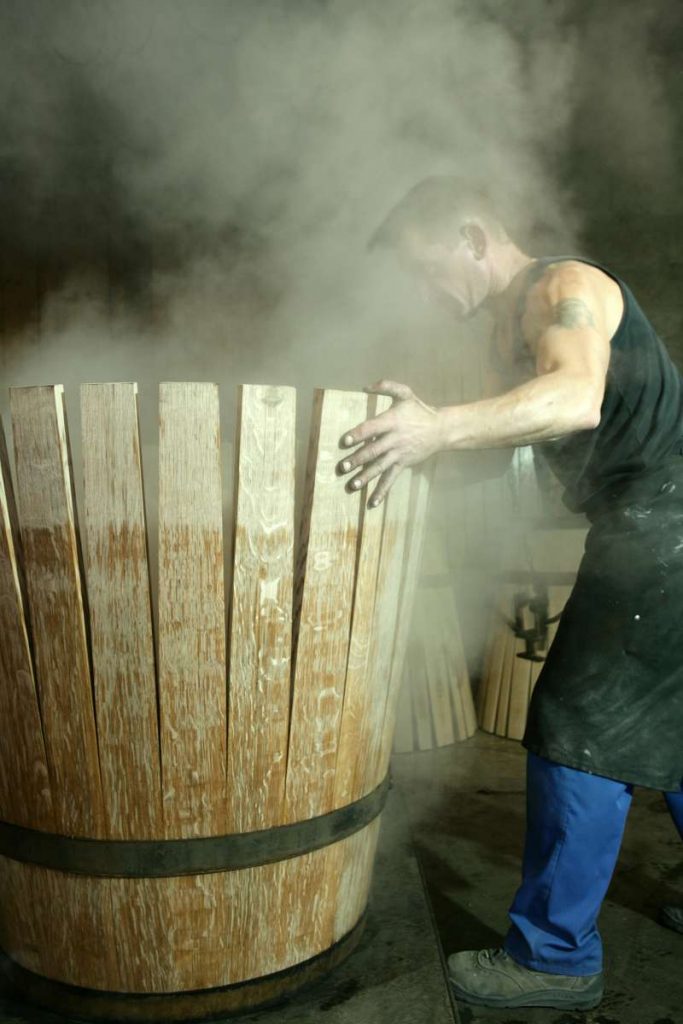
[[452, 275]]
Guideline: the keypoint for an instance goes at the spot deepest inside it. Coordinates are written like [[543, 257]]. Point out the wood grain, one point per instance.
[[325, 619], [466, 723], [436, 628], [439, 667], [117, 572], [491, 680], [362, 687], [384, 627], [511, 647], [186, 933], [431, 627], [261, 615], [47, 521], [192, 664], [417, 516], [59, 925], [352, 889], [519, 694], [25, 794]]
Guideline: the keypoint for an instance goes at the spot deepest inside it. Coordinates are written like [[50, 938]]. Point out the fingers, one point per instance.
[[390, 388], [386, 481], [376, 454], [379, 424], [371, 450], [371, 471], [364, 431]]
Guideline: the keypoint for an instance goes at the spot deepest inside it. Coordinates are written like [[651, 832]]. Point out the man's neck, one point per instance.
[[509, 269]]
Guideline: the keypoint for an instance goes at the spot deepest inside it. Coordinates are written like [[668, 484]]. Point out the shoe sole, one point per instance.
[[555, 1000]]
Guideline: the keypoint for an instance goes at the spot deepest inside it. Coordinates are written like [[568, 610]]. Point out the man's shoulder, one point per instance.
[[567, 277], [573, 293]]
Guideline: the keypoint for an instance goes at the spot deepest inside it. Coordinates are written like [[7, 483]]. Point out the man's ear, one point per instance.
[[475, 236]]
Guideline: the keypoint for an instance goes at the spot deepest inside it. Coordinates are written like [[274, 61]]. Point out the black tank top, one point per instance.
[[640, 432]]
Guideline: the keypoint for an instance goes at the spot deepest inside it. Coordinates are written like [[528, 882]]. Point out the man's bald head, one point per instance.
[[436, 210]]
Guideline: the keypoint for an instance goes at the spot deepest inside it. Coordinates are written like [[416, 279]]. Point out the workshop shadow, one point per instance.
[[457, 924]]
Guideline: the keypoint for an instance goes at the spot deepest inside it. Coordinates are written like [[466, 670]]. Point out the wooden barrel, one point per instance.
[[191, 784]]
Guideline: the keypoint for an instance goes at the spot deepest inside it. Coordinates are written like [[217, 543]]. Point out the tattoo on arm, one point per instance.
[[573, 313]]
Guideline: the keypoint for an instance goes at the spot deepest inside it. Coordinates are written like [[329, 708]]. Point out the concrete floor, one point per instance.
[[447, 867], [468, 832]]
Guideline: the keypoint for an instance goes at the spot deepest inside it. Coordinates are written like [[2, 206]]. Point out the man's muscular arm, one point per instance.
[[567, 334], [571, 349]]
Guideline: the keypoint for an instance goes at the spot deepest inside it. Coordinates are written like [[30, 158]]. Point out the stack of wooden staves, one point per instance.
[[209, 708], [435, 706]]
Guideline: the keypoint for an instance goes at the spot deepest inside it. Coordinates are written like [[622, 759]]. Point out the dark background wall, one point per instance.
[[633, 210]]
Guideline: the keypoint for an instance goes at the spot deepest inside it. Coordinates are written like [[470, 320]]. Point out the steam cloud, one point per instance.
[[187, 186], [221, 164]]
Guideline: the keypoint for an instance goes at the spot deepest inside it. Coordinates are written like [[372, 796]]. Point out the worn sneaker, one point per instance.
[[672, 917], [490, 977]]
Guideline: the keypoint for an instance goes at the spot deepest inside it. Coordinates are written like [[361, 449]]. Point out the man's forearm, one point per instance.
[[538, 410], [549, 406]]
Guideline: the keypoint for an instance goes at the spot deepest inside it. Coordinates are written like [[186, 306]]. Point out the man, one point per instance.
[[591, 385]]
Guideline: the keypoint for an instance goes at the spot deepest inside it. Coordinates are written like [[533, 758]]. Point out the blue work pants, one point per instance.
[[575, 823]]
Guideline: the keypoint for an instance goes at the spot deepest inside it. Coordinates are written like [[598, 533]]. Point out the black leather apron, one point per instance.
[[609, 699]]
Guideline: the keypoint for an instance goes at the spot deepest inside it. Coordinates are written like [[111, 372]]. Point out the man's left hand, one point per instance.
[[402, 436]]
